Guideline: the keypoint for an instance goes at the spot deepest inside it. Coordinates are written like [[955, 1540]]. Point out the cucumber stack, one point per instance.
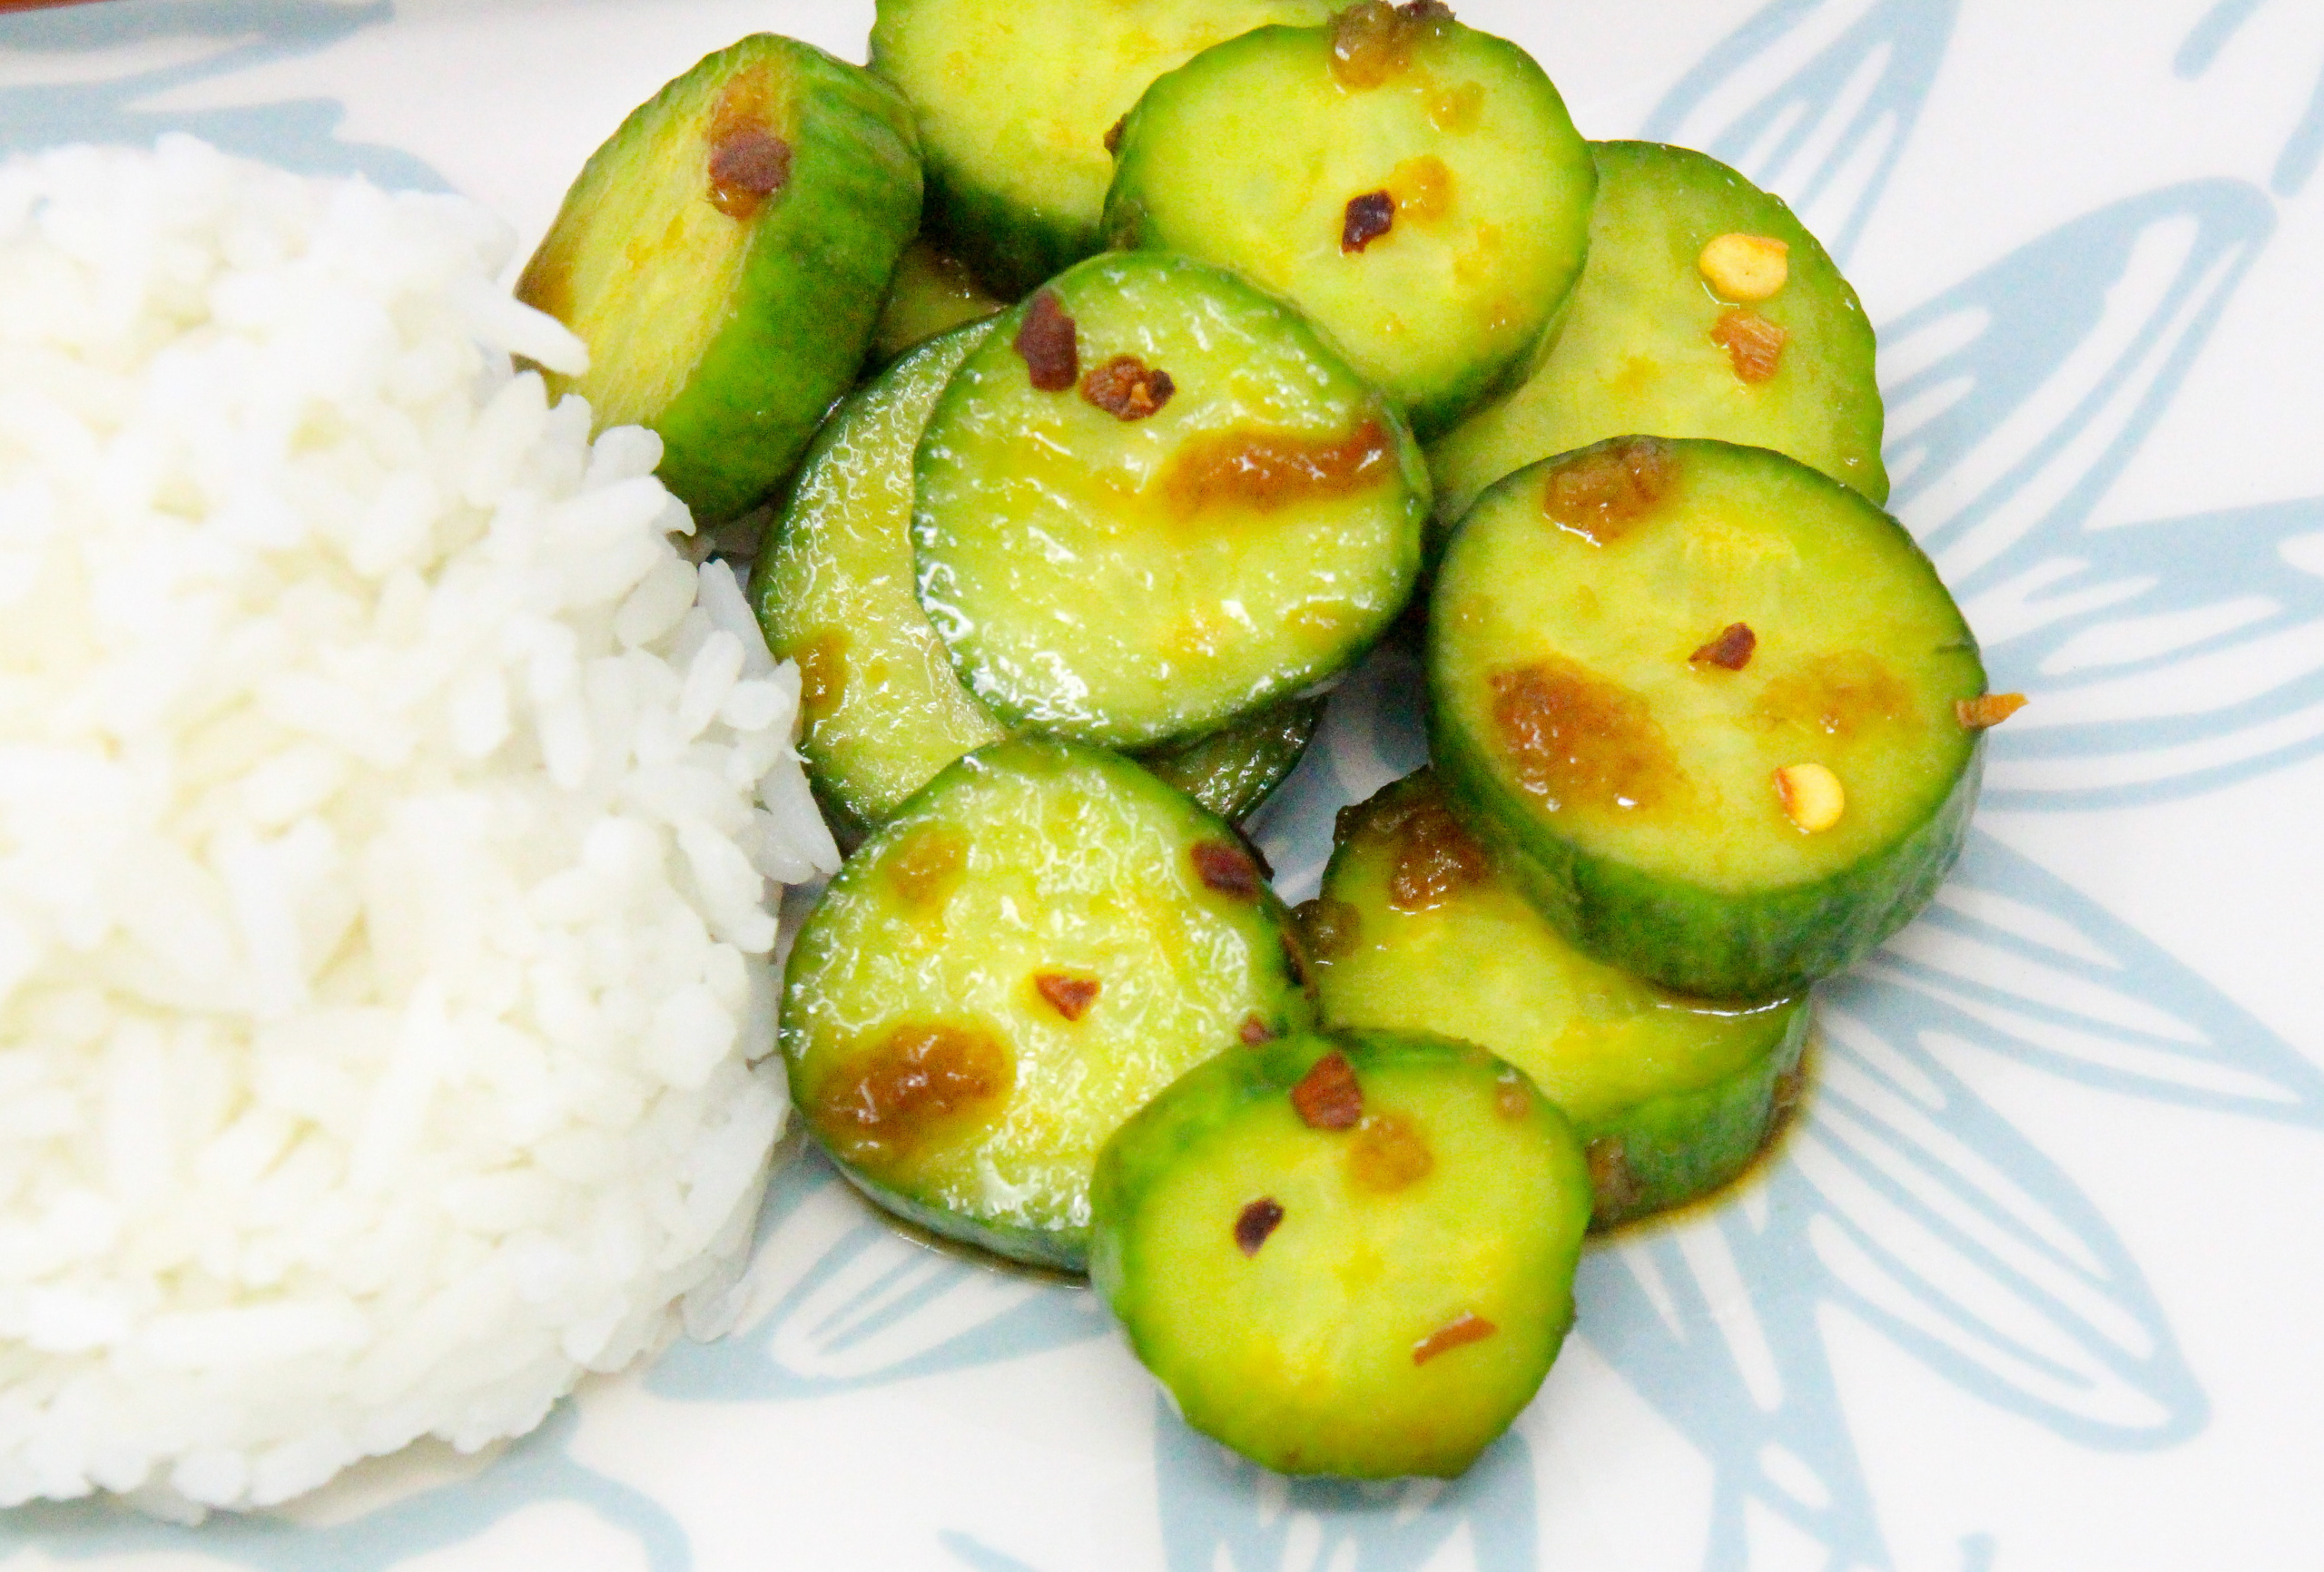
[[1066, 576]]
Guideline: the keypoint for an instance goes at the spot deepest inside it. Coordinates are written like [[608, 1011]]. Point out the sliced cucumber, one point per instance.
[[1626, 644], [1347, 1254], [1640, 351], [1233, 772], [1039, 942], [1155, 499], [1415, 185], [931, 293], [882, 711], [1417, 930], [723, 256], [1016, 100]]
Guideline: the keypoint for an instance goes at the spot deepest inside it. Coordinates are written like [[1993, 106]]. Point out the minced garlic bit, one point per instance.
[[1811, 795], [1745, 267], [1989, 710]]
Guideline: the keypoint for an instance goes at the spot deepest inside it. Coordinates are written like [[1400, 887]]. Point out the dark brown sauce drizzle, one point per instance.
[[1602, 493], [919, 1076], [1270, 469], [1573, 739]]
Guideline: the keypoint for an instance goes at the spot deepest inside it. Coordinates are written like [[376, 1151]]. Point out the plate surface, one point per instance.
[[2032, 1286]]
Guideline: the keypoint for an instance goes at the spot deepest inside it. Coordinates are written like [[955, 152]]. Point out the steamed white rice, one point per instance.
[[386, 808]]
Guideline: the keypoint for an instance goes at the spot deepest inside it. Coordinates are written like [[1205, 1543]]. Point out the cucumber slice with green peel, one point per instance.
[[1702, 699], [931, 293], [1639, 349], [1155, 500], [1233, 772], [1040, 941], [723, 256], [1413, 185], [1348, 1254], [1016, 100], [882, 711], [1417, 930]]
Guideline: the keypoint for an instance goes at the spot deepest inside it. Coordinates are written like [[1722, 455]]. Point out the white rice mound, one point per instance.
[[386, 808]]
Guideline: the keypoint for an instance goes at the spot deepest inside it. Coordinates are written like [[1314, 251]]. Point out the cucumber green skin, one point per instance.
[[1648, 196], [1681, 1147], [818, 266], [1233, 772], [1130, 225], [1203, 1107], [1063, 1248], [819, 258], [1677, 1144], [1685, 936], [1013, 245]]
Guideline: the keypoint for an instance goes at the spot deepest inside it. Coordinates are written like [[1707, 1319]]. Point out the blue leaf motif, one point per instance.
[[225, 37], [2303, 150], [842, 1301], [1815, 99], [2164, 658], [537, 1468], [2013, 960], [1222, 1514]]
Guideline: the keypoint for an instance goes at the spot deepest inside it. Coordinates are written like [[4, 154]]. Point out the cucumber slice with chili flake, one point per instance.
[[1643, 657], [723, 257], [1016, 100], [882, 711], [1155, 500], [1039, 942], [1415, 185], [1690, 267], [1418, 930], [931, 293], [1346, 1254]]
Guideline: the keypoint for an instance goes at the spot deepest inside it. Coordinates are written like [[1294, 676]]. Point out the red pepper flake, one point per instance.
[[1228, 869], [749, 165], [1046, 344], [1255, 1031], [1389, 1153], [1259, 1219], [1754, 345], [1071, 997], [1127, 388], [1731, 650], [1327, 1096], [1367, 218], [1460, 1332], [1991, 709], [1114, 134]]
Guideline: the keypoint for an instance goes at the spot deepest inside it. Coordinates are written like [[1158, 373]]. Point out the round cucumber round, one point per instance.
[[1418, 930], [1035, 945], [1701, 698], [1413, 185], [881, 712], [1016, 99], [1345, 1254], [723, 256], [1155, 499], [931, 293], [1640, 350]]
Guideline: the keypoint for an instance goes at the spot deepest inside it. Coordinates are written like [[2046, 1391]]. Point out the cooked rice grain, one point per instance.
[[386, 812]]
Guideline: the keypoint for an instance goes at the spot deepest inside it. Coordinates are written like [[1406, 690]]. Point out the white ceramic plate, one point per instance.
[[2035, 1285]]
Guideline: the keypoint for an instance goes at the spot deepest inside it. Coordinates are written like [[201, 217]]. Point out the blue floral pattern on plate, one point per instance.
[[2165, 657]]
